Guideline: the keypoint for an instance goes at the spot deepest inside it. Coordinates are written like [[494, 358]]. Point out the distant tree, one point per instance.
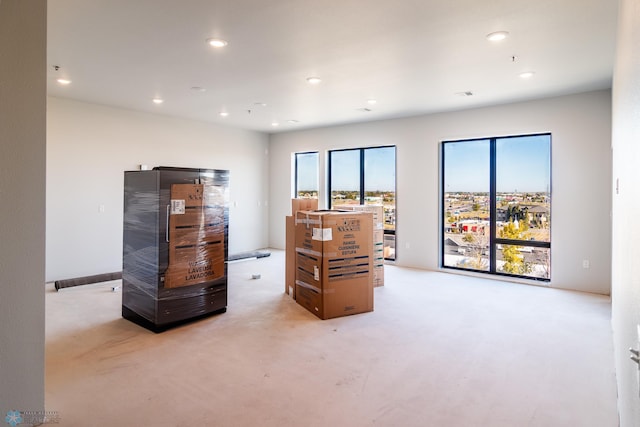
[[475, 207], [542, 260], [473, 258], [514, 262], [516, 212]]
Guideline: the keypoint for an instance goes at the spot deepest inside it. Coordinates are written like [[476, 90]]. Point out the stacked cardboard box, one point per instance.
[[290, 242], [334, 272], [303, 205], [378, 238]]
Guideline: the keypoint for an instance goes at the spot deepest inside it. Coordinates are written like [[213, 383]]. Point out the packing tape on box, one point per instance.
[[307, 221], [309, 252], [308, 286], [316, 253]]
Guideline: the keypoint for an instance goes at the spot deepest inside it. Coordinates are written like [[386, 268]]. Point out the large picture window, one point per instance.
[[306, 175], [366, 176], [496, 205]]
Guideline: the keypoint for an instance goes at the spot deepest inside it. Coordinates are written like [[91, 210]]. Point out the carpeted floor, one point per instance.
[[438, 350]]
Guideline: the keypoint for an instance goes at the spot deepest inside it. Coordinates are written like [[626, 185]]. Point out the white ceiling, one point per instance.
[[412, 56]]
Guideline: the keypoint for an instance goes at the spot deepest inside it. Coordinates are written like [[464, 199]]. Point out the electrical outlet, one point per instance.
[[586, 263], [101, 208]]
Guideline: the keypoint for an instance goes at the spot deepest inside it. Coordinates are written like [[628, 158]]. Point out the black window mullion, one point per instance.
[[444, 204], [295, 185], [493, 209], [329, 201], [532, 243], [362, 176]]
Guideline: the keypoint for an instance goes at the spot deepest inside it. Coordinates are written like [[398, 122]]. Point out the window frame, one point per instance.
[[362, 151], [296, 168], [494, 239]]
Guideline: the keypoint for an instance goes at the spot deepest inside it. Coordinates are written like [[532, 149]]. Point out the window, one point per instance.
[[365, 176], [496, 205], [306, 175]]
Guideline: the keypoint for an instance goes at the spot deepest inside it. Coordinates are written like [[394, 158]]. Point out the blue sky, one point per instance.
[[380, 167], [522, 165], [307, 171]]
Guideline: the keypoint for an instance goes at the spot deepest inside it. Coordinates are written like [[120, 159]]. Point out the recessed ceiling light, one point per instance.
[[497, 36], [313, 80], [260, 104], [527, 74], [217, 42], [292, 121], [64, 81], [371, 101], [275, 124], [223, 114], [158, 101]]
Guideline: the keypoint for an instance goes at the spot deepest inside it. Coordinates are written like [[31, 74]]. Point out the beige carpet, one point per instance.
[[439, 350]]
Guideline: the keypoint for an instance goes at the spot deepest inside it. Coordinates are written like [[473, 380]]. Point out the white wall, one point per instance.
[[581, 175], [23, 30], [626, 207], [90, 146]]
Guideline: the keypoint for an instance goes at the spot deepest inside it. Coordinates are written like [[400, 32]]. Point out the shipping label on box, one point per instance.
[[322, 234], [177, 207]]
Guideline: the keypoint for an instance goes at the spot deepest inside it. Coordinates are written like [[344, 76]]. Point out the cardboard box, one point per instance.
[[290, 257], [334, 256], [303, 205], [378, 237], [290, 243], [196, 236], [376, 210]]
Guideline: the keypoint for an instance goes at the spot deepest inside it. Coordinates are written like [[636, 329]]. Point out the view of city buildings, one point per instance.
[[519, 216], [510, 175], [521, 171]]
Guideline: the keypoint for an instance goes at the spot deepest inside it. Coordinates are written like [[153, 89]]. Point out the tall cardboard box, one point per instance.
[[378, 238], [290, 243], [334, 255]]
